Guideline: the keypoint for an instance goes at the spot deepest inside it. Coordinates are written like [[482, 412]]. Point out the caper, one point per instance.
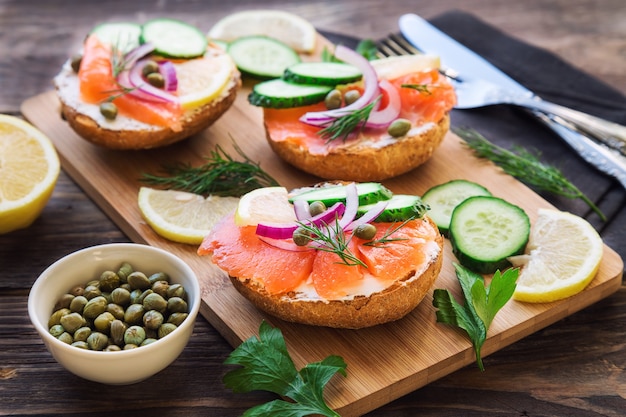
[[94, 283], [155, 79], [81, 344], [149, 68], [351, 96], [158, 276], [138, 280], [64, 301], [112, 348], [55, 318], [78, 304], [120, 296], [124, 271], [143, 296], [152, 319], [130, 346], [134, 335], [333, 99], [134, 314], [148, 341], [77, 290], [365, 231], [65, 337], [116, 310], [317, 207], [108, 110], [177, 318], [75, 62], [82, 334], [92, 291], [176, 305], [135, 295], [154, 301], [102, 323], [118, 328], [399, 127], [301, 236], [165, 329], [109, 281], [56, 330], [160, 287], [176, 290], [95, 307], [97, 341], [72, 322]]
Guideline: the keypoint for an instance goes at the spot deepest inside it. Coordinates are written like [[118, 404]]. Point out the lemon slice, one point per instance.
[[202, 80], [396, 66], [286, 27], [264, 205], [562, 257], [29, 168], [180, 216]]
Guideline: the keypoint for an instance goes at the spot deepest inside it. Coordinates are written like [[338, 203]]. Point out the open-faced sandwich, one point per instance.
[[356, 119], [338, 255], [144, 86]]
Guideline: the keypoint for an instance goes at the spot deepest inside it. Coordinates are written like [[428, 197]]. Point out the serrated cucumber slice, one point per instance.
[[279, 94], [369, 193], [262, 57], [173, 38], [322, 73], [400, 207]]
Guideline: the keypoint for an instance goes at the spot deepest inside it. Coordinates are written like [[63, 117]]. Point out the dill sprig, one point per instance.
[[526, 167], [422, 88], [342, 126], [221, 175], [331, 238], [385, 238]]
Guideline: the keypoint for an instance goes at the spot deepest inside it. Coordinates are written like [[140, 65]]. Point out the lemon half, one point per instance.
[[29, 169], [265, 205], [562, 257]]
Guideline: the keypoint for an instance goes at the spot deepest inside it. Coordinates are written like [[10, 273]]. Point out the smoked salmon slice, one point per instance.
[[98, 84]]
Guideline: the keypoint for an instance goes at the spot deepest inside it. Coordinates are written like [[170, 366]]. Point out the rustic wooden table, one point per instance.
[[575, 367]]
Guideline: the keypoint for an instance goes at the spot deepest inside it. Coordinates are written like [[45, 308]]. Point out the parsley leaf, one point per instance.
[[481, 304], [266, 365]]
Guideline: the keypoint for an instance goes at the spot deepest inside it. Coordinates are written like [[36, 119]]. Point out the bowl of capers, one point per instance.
[[115, 313]]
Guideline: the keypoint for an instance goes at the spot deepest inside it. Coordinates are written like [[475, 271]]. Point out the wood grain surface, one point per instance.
[[574, 367]]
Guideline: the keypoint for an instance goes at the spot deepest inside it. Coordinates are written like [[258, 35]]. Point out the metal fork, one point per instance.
[[600, 156]]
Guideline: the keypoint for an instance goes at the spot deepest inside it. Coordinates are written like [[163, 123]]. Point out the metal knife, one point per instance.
[[427, 38]]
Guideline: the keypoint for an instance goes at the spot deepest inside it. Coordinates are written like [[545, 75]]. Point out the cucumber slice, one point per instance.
[[443, 198], [122, 35], [262, 57], [322, 73], [401, 207], [369, 193], [485, 231], [279, 94], [173, 38]]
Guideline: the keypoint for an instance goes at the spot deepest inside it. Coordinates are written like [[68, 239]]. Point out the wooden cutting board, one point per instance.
[[384, 362]]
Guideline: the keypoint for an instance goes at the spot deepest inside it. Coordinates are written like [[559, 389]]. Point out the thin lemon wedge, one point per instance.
[[264, 205], [562, 257], [203, 79], [183, 217], [29, 169], [286, 27]]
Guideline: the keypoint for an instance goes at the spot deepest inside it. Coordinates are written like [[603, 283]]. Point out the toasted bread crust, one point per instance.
[[194, 121], [365, 164], [389, 305]]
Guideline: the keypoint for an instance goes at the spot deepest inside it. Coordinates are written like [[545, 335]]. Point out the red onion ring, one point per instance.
[[382, 118]]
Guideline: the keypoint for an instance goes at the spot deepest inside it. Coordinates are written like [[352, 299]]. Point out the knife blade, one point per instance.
[[456, 56]]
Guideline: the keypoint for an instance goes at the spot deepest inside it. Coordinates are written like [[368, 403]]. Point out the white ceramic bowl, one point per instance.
[[126, 366]]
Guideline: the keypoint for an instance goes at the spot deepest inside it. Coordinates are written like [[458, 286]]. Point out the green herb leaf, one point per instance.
[[331, 238], [526, 167], [481, 304], [221, 175], [367, 48], [422, 88], [266, 365]]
